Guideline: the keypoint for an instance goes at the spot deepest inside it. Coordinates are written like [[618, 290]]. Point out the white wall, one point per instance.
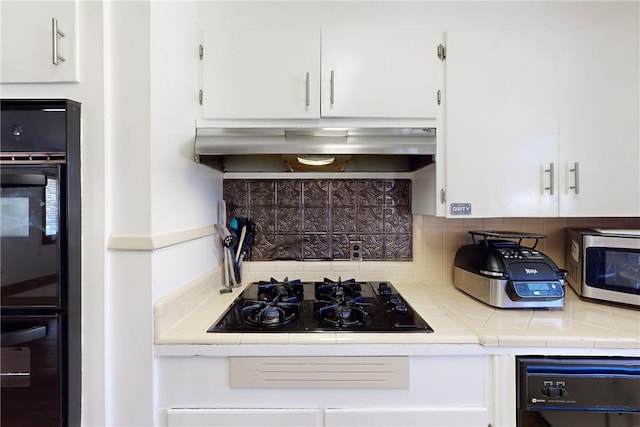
[[158, 189], [439, 15], [177, 183]]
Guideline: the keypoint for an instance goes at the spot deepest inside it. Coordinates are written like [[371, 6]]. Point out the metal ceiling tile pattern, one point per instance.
[[310, 219]]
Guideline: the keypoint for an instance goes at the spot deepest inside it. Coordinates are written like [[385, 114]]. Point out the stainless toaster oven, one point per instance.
[[604, 264]]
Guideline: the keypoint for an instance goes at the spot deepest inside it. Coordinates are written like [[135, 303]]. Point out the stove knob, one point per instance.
[[384, 288], [394, 300], [399, 307]]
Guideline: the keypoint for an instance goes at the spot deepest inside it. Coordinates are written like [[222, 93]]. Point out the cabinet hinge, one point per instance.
[[200, 96], [443, 195], [439, 97], [442, 52], [200, 51]]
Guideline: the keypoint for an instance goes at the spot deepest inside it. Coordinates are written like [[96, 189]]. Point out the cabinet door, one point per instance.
[[261, 74], [244, 417], [29, 42], [380, 73], [501, 123], [462, 416], [599, 123]]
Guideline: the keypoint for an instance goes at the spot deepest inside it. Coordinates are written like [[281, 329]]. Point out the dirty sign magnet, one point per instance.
[[460, 208]]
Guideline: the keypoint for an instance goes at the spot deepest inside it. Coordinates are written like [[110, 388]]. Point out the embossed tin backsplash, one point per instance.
[[315, 219]]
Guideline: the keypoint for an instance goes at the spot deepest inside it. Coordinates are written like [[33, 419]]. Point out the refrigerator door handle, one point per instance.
[[23, 336]]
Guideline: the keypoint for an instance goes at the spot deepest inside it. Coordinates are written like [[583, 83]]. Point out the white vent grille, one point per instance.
[[319, 372]]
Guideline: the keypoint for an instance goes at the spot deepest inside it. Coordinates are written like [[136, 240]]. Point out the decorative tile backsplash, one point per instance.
[[311, 219]]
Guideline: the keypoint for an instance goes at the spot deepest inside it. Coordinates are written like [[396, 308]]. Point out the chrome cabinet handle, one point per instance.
[[551, 178], [332, 81], [307, 90], [576, 178], [55, 34]]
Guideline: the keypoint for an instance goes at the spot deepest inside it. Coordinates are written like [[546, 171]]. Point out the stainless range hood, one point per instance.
[[315, 149]]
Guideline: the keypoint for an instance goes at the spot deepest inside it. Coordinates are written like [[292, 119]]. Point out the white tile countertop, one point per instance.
[[456, 318], [581, 323]]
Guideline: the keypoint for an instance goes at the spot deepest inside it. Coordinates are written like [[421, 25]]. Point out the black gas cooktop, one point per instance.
[[327, 306]]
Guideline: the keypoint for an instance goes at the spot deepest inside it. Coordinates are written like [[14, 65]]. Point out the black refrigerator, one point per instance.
[[40, 276]]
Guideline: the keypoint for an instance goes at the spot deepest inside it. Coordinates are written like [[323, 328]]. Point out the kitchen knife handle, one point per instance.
[[576, 178], [306, 88], [55, 34], [332, 85], [551, 178]]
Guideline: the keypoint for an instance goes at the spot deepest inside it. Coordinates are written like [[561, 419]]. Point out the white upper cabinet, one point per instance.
[[271, 73], [542, 124], [599, 123], [261, 74], [501, 124], [39, 42], [380, 73]]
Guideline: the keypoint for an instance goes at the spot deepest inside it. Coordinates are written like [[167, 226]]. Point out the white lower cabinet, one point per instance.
[[378, 417], [381, 417], [442, 391]]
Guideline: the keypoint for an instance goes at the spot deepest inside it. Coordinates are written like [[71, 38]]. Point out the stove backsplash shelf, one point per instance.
[[316, 219]]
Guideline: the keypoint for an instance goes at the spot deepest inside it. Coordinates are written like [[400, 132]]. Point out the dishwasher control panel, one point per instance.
[[579, 383]]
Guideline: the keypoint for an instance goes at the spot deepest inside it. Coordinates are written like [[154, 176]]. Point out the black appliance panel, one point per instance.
[[27, 127], [32, 208], [315, 307], [31, 383], [40, 141], [569, 391]]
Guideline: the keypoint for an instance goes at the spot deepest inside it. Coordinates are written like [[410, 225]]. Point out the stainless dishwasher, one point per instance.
[[577, 391]]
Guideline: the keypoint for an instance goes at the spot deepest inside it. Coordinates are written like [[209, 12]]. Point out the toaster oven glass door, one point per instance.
[[613, 269]]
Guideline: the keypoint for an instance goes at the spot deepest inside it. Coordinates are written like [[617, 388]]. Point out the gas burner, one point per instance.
[[260, 313], [344, 315], [341, 304], [339, 282], [286, 291], [337, 291]]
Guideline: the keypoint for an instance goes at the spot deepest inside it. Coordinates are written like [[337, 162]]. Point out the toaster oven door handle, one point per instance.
[[491, 273]]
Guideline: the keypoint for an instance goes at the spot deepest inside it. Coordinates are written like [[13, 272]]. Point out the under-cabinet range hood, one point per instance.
[[315, 149]]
